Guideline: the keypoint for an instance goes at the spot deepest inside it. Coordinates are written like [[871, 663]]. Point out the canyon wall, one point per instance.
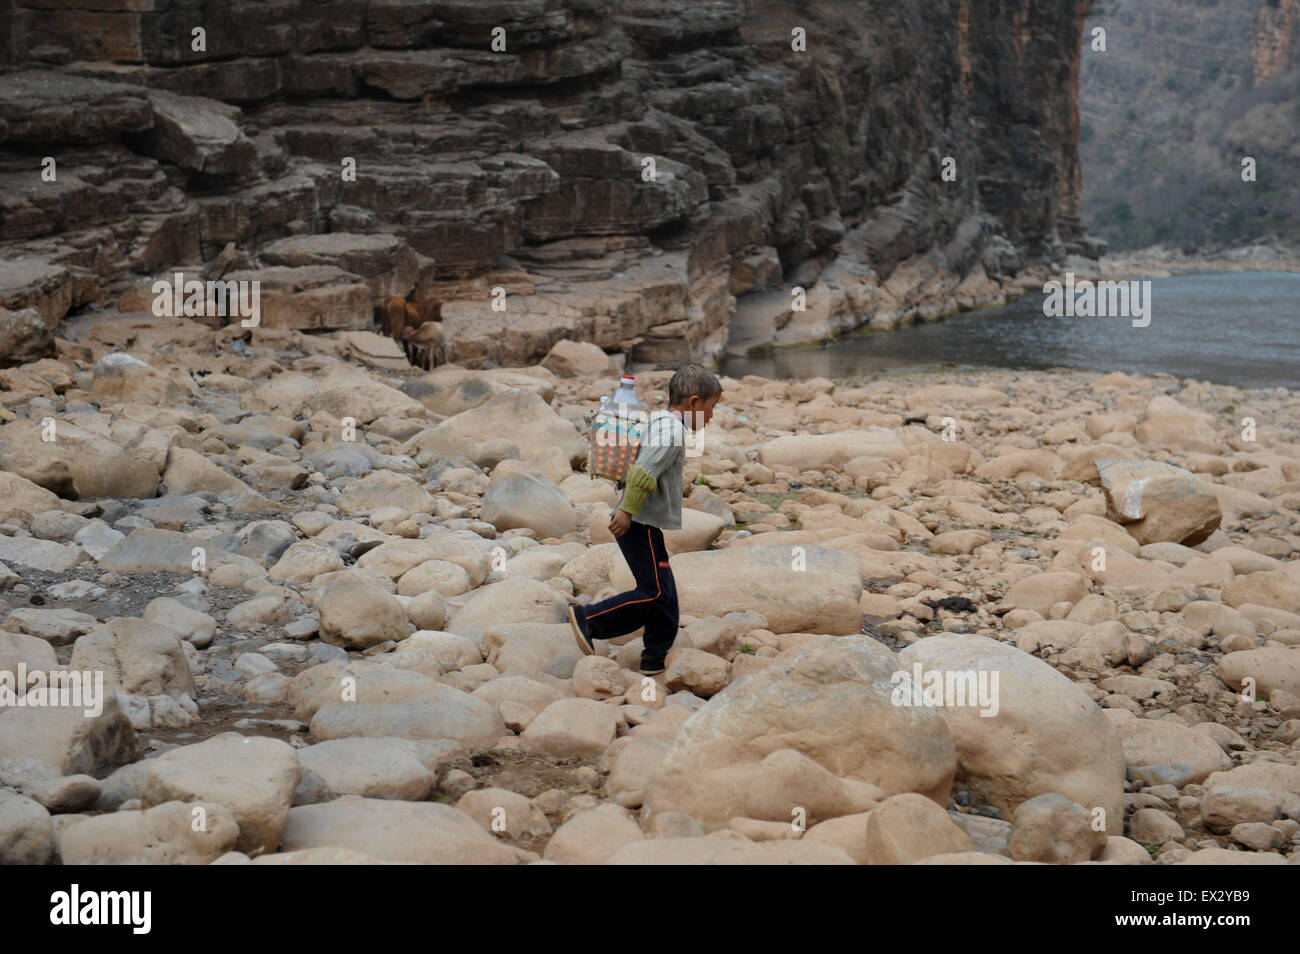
[[637, 173]]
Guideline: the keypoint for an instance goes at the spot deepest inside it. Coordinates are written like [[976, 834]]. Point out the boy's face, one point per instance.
[[698, 411]]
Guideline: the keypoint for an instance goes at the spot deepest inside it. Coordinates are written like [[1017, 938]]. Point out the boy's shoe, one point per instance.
[[579, 634], [651, 670]]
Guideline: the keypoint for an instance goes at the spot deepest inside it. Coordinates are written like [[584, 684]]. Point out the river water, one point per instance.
[[1239, 328]]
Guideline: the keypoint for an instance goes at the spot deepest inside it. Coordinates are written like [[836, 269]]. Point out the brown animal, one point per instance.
[[425, 346], [422, 312], [390, 313], [405, 322]]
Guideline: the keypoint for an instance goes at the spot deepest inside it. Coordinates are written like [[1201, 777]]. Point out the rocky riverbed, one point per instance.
[[327, 595]]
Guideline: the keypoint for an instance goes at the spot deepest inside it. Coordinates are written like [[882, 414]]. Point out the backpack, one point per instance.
[[615, 443]]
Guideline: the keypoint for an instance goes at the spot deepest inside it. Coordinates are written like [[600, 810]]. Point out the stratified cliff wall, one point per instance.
[[637, 173]]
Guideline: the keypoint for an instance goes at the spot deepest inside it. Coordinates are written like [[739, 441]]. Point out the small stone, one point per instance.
[[1257, 836], [457, 783]]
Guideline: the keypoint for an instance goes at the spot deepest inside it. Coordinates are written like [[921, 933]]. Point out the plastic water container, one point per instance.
[[616, 433], [625, 393]]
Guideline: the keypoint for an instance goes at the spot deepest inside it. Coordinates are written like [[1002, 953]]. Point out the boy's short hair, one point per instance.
[[690, 380]]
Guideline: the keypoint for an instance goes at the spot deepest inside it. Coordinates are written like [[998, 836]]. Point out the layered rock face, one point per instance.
[[630, 173]]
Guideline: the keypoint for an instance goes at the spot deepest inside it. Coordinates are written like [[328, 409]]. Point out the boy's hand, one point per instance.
[[619, 523]]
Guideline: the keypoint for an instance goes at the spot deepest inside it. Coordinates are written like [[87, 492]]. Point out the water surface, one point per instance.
[[1239, 328]]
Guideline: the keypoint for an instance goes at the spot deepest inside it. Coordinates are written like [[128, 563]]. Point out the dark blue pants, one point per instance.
[[653, 604]]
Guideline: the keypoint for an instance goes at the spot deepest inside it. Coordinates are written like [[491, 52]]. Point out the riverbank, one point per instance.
[[851, 302], [1119, 551], [1231, 328], [1162, 261]]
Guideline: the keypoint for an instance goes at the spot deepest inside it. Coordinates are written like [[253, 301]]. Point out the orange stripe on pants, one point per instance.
[[658, 587]]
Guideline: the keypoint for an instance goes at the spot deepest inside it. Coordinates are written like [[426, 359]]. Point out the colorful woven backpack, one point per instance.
[[616, 433], [615, 443]]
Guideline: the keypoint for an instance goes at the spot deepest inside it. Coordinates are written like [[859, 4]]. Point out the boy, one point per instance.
[[653, 496]]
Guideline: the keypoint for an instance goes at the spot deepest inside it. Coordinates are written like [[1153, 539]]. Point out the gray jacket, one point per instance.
[[662, 456]]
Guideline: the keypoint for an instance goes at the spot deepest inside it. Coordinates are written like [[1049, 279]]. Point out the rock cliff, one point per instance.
[[641, 174]]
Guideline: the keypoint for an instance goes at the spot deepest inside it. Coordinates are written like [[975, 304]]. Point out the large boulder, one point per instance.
[[789, 787], [425, 833], [438, 712], [347, 391], [831, 701], [32, 652], [166, 551], [125, 379], [146, 665], [1045, 734], [177, 833], [1272, 668], [254, 777], [309, 296], [188, 471], [632, 767], [24, 337], [1258, 792], [1159, 502], [374, 351], [357, 614], [697, 532], [436, 652], [1182, 430], [198, 134], [513, 424], [1042, 590], [286, 394], [1271, 588], [43, 555], [395, 558], [1021, 465], [28, 281], [571, 727], [20, 498], [1168, 753], [907, 828], [305, 560], [451, 389], [522, 496], [50, 742], [387, 262], [797, 589], [1052, 829], [76, 463], [190, 625], [384, 488], [504, 811], [369, 767], [574, 359], [26, 832], [528, 647], [355, 682], [593, 836], [58, 626], [509, 601]]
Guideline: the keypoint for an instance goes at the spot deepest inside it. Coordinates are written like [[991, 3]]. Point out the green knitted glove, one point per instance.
[[640, 485]]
